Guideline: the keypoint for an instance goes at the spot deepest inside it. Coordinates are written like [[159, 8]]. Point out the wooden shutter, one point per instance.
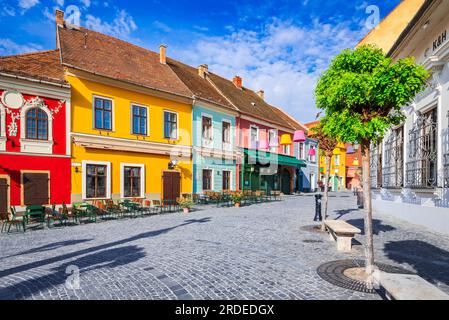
[[4, 187], [36, 189]]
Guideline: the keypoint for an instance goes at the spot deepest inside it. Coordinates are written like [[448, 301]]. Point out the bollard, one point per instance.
[[318, 208]]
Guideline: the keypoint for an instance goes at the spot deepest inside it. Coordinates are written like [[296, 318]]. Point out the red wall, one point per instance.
[[60, 175], [59, 127], [58, 167]]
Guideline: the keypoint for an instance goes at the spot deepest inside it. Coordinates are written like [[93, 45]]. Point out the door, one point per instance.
[[36, 189], [286, 182], [171, 185], [4, 198]]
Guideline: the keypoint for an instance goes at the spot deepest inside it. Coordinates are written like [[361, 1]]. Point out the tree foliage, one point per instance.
[[363, 92]]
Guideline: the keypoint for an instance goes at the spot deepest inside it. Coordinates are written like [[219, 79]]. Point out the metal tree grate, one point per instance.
[[334, 273]]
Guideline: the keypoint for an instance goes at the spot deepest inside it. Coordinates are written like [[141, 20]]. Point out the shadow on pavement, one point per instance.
[[378, 226], [429, 261]]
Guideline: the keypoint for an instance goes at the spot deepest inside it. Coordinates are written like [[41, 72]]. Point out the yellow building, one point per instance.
[[338, 172], [388, 31], [338, 168], [131, 119]]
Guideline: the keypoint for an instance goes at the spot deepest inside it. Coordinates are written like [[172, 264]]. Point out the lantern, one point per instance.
[[299, 136], [264, 145], [356, 163], [286, 140]]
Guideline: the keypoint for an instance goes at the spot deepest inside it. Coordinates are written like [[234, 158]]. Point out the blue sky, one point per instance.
[[279, 46]]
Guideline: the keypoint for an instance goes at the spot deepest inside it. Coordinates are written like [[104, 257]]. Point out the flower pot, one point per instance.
[[238, 205], [186, 210]]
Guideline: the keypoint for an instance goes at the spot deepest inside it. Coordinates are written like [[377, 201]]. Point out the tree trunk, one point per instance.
[[326, 190], [369, 248]]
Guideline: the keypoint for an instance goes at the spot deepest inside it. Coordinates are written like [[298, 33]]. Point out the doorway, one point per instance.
[[171, 185], [4, 197], [286, 179], [35, 188]]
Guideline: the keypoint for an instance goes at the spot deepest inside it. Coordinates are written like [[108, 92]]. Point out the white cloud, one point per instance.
[[122, 26], [284, 59], [28, 4], [9, 47]]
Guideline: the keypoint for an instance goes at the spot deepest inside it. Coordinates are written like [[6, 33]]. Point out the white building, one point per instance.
[[410, 170]]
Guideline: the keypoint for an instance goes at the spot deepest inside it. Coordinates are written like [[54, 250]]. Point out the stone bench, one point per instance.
[[408, 287], [342, 233]]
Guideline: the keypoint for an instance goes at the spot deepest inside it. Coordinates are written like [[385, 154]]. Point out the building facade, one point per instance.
[[34, 131], [307, 177], [132, 122], [410, 168]]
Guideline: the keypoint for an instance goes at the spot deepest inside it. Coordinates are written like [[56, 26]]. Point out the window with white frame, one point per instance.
[[226, 180], [302, 151], [272, 137], [139, 120], [287, 150], [96, 180], [170, 125], [226, 134], [254, 137], [207, 179], [337, 160], [133, 180], [312, 155], [103, 113], [207, 128]]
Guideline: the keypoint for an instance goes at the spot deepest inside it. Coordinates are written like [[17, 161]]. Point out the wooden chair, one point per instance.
[[14, 220]]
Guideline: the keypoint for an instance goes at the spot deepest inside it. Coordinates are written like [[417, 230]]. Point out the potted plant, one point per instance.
[[237, 199], [186, 204]]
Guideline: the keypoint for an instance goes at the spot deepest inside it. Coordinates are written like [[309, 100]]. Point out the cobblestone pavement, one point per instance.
[[257, 252]]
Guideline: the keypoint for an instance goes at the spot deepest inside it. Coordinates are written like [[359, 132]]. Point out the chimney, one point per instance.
[[261, 94], [163, 53], [203, 70], [59, 17], [238, 82]]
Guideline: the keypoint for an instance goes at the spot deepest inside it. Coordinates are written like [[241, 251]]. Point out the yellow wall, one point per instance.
[[82, 122], [340, 150], [389, 30]]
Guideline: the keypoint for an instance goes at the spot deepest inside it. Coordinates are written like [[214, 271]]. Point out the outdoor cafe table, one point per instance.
[[35, 212]]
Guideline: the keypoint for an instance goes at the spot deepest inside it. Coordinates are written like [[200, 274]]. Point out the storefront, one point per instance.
[[270, 172]]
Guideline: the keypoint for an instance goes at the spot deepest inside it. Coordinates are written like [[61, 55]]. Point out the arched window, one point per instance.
[[36, 125]]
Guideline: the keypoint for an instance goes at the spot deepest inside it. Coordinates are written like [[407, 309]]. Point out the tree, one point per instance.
[[362, 93], [327, 144]]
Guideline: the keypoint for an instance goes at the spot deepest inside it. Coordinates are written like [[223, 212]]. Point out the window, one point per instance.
[[207, 180], [272, 137], [96, 181], [36, 125], [170, 125], [207, 128], [226, 134], [132, 182], [254, 137], [140, 120], [337, 160], [226, 180], [103, 114], [287, 150], [301, 152], [312, 158]]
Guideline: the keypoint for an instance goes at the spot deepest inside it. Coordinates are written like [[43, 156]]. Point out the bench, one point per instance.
[[408, 287], [342, 233]]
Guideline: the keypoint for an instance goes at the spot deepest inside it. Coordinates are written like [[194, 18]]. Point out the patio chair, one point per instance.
[[52, 216], [14, 220], [86, 211], [69, 214], [114, 210], [157, 206]]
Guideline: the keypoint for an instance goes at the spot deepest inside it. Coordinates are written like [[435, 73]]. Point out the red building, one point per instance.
[[35, 148]]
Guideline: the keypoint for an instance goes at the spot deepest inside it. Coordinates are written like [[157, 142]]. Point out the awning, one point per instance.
[[266, 158]]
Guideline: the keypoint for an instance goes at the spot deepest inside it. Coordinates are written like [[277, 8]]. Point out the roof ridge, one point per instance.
[[29, 54]]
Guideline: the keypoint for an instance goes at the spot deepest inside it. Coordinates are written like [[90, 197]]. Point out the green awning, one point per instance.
[[265, 158]]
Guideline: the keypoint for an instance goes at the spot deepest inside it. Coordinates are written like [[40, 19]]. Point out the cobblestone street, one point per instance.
[[257, 252]]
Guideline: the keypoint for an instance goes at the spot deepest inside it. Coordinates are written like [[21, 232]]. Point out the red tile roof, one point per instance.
[[44, 66], [103, 55]]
